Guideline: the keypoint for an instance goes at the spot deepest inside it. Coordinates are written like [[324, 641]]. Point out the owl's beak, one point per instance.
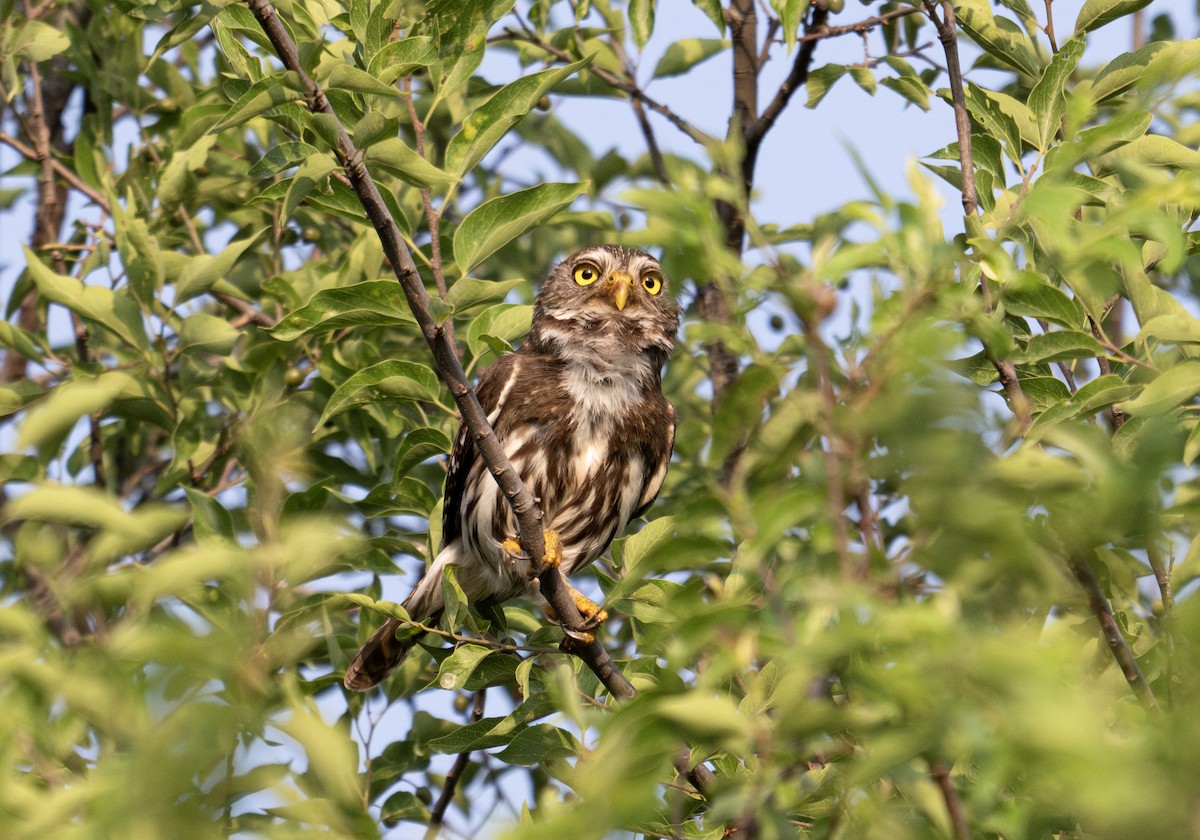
[[619, 287]]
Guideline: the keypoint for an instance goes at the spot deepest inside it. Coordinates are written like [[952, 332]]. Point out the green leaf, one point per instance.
[[375, 303], [1150, 150], [468, 292], [821, 81], [400, 58], [1153, 62], [1058, 346], [791, 14], [539, 743], [312, 174], [263, 95], [1171, 389], [489, 123], [907, 82], [394, 155], [65, 405], [713, 11], [210, 519], [114, 310], [206, 333], [458, 666], [202, 271], [685, 54], [701, 717], [17, 395], [1037, 299], [385, 609], [636, 547], [1047, 100], [998, 36], [504, 321], [1173, 328], [346, 77], [281, 157], [385, 381], [36, 41], [496, 222], [641, 21], [1097, 13], [122, 532], [418, 446]]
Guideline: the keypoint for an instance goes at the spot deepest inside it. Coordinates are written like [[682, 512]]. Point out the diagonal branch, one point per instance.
[[1121, 651], [529, 516]]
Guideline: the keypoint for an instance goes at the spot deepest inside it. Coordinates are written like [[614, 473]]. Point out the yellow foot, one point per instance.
[[551, 559], [554, 556], [593, 616]]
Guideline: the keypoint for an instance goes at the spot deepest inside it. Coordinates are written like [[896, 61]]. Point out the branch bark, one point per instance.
[[1121, 651]]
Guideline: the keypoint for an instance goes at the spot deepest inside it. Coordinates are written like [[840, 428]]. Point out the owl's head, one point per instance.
[[608, 298]]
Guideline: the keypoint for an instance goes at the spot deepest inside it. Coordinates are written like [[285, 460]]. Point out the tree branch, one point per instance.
[[438, 815], [1121, 651], [612, 80], [59, 169], [948, 35], [954, 806], [529, 516]]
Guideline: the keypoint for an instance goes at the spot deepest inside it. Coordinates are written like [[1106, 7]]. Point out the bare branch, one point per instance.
[[438, 815], [954, 806], [59, 169], [948, 35], [629, 88]]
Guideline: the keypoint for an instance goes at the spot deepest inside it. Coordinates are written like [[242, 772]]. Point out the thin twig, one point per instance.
[[1049, 30], [1121, 651], [954, 806], [612, 80], [438, 815], [948, 35], [59, 169]]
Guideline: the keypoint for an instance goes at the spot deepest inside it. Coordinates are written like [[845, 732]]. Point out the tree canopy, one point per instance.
[[924, 562]]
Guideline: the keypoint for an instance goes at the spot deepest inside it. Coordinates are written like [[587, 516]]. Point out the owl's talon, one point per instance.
[[593, 617], [513, 548], [553, 557]]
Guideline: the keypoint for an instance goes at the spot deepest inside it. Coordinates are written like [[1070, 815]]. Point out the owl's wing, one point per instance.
[[493, 387], [664, 445]]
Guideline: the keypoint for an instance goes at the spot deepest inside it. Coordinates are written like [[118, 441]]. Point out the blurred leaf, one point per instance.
[[1170, 389], [114, 310], [641, 21], [683, 55]]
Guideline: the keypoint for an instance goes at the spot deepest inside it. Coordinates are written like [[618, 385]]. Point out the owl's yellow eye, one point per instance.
[[652, 282], [586, 274]]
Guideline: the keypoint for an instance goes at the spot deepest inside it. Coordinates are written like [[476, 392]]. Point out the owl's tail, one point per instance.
[[383, 652]]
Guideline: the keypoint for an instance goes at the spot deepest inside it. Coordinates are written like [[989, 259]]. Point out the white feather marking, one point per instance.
[[512, 379]]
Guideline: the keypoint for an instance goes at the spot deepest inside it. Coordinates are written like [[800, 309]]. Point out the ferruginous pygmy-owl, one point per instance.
[[580, 413]]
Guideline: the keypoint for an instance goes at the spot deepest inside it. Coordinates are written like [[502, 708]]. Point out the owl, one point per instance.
[[580, 413]]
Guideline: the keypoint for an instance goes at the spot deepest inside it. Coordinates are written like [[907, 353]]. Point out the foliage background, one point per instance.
[[876, 599]]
